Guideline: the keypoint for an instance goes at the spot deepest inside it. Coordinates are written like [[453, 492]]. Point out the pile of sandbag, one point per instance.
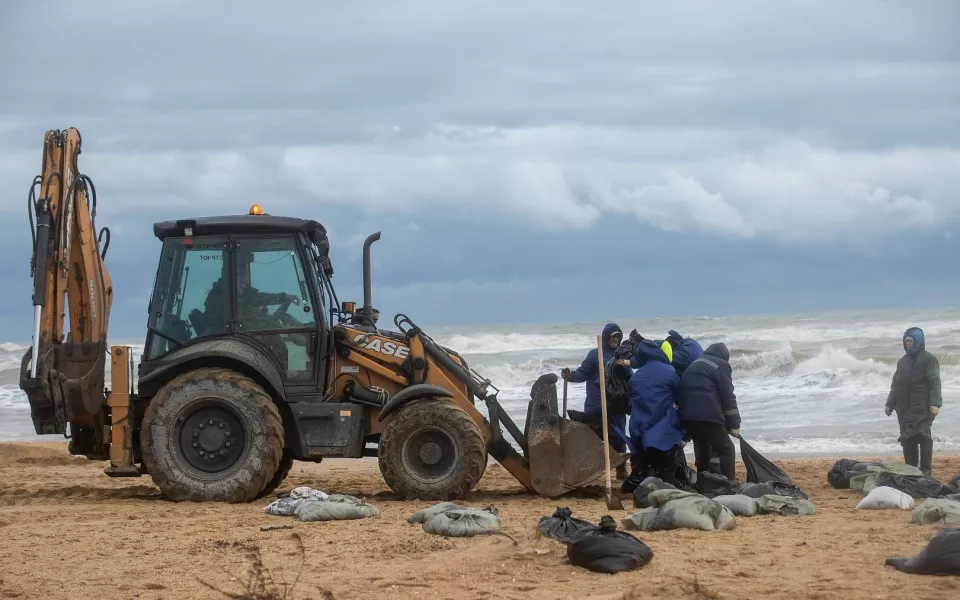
[[454, 520], [938, 511], [676, 509], [941, 556], [308, 504], [867, 476]]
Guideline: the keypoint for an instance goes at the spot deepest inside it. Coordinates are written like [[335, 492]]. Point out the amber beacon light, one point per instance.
[[255, 209]]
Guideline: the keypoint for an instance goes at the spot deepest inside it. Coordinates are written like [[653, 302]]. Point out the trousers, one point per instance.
[[709, 436], [918, 447]]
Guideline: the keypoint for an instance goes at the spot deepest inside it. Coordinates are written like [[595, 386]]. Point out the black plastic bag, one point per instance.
[[607, 550], [941, 556], [844, 469], [918, 486], [952, 488], [792, 491], [710, 485], [618, 376], [759, 469], [562, 527]]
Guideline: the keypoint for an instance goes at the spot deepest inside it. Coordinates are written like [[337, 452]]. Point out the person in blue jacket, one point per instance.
[[589, 372], [654, 422], [685, 351]]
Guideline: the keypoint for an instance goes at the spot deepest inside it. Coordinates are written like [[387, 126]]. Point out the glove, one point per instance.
[[934, 411], [734, 432], [889, 411], [293, 299], [565, 373]]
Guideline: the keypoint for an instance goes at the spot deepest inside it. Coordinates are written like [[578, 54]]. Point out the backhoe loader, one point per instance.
[[251, 362]]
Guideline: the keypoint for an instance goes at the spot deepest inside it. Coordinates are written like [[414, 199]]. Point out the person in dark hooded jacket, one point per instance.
[[589, 372], [915, 395], [654, 423], [708, 408]]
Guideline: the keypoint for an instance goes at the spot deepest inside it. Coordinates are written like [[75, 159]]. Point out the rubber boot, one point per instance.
[[622, 472]]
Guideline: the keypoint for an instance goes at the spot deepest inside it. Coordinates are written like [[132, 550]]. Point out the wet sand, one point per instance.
[[68, 531]]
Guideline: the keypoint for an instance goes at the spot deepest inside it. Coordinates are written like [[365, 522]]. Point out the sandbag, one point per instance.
[[287, 505], [786, 506], [609, 554], [711, 485], [759, 469], [941, 556], [463, 522], [739, 505], [640, 495], [883, 498], [756, 490], [937, 511], [337, 507], [422, 515], [563, 527], [922, 486], [677, 509]]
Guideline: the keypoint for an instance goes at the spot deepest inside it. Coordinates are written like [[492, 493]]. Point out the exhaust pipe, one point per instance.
[[367, 310]]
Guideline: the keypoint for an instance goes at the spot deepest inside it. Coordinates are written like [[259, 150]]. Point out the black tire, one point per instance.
[[432, 450], [286, 463], [233, 459]]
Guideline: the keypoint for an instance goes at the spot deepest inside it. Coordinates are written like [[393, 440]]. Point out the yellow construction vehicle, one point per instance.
[[251, 362]]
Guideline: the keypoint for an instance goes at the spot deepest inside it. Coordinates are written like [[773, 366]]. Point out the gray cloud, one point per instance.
[[501, 141]]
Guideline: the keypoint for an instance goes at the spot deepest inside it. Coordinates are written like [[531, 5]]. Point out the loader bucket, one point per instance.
[[563, 454]]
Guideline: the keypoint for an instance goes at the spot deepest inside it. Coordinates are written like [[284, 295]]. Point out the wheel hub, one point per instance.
[[211, 438], [430, 455]]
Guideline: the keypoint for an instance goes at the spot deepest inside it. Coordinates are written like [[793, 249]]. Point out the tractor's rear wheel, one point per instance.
[[432, 450], [212, 435]]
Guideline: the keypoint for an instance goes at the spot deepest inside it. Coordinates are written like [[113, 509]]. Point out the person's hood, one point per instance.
[[674, 337], [650, 350], [608, 330], [919, 343], [719, 350]]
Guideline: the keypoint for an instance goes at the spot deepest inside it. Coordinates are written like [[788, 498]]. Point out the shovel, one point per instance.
[[613, 502]]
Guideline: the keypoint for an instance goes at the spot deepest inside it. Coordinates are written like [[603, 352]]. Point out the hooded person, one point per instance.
[[654, 422], [915, 396], [589, 372], [708, 409], [685, 350]]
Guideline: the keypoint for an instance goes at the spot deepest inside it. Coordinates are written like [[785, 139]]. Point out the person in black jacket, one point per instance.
[[708, 408]]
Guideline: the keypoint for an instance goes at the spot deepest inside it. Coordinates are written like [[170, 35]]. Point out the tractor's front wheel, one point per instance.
[[212, 435], [432, 450]]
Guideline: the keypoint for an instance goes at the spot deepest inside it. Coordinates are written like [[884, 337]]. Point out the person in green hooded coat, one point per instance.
[[915, 395]]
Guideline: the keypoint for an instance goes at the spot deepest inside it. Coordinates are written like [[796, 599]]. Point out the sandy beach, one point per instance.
[[69, 531]]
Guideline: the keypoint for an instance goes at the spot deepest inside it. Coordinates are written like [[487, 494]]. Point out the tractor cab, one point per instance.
[[261, 278]]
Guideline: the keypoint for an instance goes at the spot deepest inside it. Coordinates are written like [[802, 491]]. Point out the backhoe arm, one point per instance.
[[63, 377]]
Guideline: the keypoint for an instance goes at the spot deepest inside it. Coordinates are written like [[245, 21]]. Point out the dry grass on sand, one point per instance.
[[68, 531]]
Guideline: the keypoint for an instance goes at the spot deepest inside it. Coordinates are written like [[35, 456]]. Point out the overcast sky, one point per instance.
[[525, 161]]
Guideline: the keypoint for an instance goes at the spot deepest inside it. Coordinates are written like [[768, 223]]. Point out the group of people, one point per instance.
[[678, 392]]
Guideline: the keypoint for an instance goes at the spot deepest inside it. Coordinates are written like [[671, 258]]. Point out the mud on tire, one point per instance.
[[212, 435], [432, 450]]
